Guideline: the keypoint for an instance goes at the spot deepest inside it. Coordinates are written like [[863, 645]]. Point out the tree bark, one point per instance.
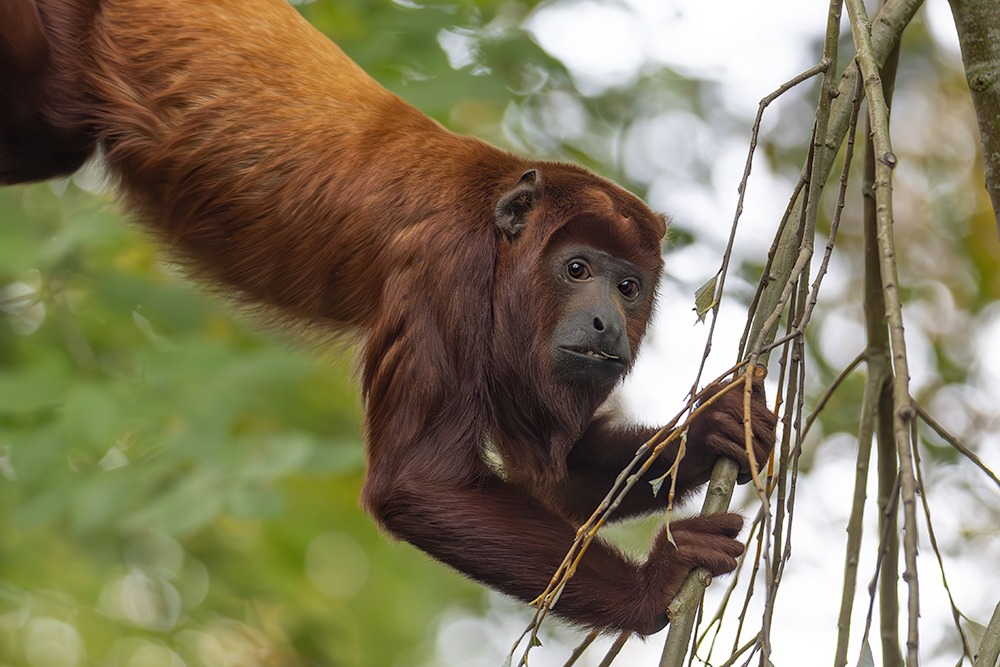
[[978, 25]]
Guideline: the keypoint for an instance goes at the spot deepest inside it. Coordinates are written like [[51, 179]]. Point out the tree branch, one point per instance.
[[903, 412], [884, 36], [989, 649], [978, 25]]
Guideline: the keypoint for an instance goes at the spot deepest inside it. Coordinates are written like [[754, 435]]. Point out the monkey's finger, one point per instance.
[[730, 448], [718, 555], [727, 524]]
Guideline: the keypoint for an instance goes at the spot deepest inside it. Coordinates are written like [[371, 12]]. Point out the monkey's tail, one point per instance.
[[42, 131]]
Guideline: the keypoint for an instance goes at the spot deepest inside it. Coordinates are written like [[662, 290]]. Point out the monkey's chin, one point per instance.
[[591, 366]]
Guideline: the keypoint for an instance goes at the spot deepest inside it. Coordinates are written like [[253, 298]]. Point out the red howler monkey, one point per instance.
[[503, 298]]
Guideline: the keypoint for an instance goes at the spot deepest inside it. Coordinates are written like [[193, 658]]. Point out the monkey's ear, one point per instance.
[[514, 205]]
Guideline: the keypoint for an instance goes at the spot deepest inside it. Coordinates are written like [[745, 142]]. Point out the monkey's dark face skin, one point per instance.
[[599, 294]]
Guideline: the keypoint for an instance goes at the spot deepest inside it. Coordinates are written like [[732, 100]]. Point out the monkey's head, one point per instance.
[[584, 255]]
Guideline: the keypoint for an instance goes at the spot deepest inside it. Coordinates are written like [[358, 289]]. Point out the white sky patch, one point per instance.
[[459, 47], [987, 343], [741, 44], [601, 43], [942, 26]]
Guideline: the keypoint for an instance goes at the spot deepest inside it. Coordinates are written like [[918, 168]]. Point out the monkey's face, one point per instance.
[[600, 296]]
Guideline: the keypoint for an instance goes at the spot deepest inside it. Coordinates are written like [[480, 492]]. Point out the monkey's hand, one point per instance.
[[719, 431], [702, 541]]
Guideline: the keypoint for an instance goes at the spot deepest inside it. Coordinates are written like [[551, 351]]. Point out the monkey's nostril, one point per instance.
[[598, 324]]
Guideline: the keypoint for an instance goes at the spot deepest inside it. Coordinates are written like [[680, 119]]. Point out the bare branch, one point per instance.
[[977, 22], [989, 649], [903, 413]]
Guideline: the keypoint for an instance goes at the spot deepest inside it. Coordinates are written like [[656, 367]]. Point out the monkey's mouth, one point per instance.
[[596, 355], [588, 364]]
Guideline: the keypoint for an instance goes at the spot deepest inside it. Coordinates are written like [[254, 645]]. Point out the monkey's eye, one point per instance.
[[629, 289], [578, 270]]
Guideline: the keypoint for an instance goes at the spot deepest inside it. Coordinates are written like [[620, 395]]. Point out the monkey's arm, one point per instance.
[[500, 536], [606, 448]]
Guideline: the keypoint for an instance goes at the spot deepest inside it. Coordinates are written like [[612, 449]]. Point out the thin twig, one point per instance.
[[954, 442], [820, 67], [877, 376], [903, 412], [615, 649], [737, 653], [956, 614], [884, 537], [582, 648], [796, 282], [831, 390]]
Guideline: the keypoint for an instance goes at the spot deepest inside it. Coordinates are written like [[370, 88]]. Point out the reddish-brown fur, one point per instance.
[[273, 166]]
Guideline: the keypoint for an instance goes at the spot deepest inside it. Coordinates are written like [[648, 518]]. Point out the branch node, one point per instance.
[[980, 82]]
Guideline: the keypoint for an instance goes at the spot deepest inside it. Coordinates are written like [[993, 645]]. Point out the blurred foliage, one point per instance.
[[171, 479]]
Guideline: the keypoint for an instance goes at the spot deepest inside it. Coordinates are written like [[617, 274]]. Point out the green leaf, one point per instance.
[[975, 631], [657, 484], [704, 298], [867, 659]]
